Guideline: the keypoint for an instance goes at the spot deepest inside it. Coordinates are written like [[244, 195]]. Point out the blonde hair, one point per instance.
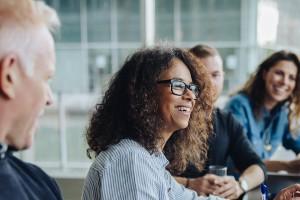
[[19, 22]]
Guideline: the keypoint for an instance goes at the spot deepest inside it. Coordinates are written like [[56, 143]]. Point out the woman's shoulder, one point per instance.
[[129, 156], [239, 99], [122, 151]]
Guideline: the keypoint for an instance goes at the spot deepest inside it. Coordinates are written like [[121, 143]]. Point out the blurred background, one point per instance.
[[97, 35]]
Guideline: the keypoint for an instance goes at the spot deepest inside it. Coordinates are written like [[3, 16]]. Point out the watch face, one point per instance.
[[244, 185]]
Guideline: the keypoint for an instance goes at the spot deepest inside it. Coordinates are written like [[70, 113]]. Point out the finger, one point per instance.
[[222, 190], [205, 187], [211, 178], [210, 189], [291, 189], [297, 194], [228, 179], [225, 187], [228, 193], [202, 194], [233, 196], [221, 181]]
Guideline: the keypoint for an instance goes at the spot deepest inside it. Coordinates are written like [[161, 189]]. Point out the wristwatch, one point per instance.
[[243, 184]]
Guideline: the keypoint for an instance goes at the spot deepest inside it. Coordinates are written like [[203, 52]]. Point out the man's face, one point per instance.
[[214, 66], [33, 93]]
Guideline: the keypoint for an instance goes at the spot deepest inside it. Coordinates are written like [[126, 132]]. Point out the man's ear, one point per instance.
[[8, 75]]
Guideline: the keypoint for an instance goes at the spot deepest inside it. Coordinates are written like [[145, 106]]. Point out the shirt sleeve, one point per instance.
[[289, 142], [92, 185], [129, 177], [182, 193], [179, 191]]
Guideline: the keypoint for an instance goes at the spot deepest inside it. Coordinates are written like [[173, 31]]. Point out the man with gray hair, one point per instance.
[[27, 62]]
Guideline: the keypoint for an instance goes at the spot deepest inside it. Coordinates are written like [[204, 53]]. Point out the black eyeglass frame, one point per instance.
[[186, 86]]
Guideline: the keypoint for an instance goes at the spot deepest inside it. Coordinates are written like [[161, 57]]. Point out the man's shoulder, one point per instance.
[[224, 116], [19, 172], [33, 171], [30, 168], [227, 124]]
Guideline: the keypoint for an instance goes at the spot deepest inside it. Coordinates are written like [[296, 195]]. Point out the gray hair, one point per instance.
[[19, 22]]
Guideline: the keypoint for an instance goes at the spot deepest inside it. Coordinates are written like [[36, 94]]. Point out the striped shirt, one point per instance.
[[128, 171]]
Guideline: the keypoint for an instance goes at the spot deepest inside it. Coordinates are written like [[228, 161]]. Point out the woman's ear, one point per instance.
[[8, 76]]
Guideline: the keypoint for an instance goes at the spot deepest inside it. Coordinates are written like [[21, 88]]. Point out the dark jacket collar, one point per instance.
[[3, 149]]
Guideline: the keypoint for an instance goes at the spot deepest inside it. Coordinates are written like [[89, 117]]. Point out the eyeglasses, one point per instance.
[[179, 88]]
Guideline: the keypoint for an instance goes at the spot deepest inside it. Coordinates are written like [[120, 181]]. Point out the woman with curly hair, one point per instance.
[[269, 104], [159, 103]]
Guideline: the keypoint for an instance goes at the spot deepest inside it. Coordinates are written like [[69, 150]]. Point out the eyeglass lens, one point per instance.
[[179, 88]]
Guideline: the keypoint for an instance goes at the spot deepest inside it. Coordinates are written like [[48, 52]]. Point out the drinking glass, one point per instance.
[[218, 170]]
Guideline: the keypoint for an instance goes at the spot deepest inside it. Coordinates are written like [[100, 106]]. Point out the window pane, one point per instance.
[[164, 20], [100, 68], [123, 54], [288, 23], [47, 140], [210, 20], [69, 14], [99, 20], [129, 20], [71, 73], [231, 65], [77, 122]]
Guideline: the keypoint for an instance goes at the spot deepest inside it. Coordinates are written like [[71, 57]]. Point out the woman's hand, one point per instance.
[[229, 188], [205, 185], [289, 193]]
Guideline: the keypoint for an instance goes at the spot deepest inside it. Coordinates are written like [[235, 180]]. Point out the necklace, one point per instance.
[[268, 147], [267, 138]]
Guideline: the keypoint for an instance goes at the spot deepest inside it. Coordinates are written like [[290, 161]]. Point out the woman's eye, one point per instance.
[[179, 86], [292, 78], [279, 72]]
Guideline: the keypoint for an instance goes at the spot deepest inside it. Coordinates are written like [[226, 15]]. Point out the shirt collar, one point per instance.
[[161, 159], [3, 149], [275, 111]]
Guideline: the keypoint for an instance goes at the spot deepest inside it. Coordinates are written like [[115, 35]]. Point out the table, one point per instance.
[[253, 194], [275, 182]]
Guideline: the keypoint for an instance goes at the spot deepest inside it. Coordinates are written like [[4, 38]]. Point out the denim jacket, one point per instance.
[[268, 131]]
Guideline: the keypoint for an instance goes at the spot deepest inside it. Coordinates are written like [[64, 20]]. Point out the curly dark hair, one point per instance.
[[130, 109], [256, 90]]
